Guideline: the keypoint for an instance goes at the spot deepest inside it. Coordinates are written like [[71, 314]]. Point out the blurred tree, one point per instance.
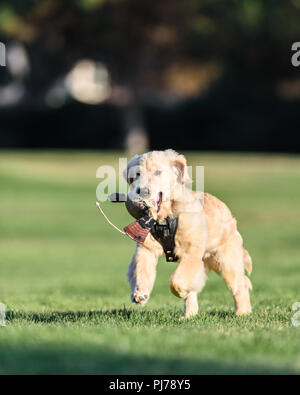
[[160, 51]]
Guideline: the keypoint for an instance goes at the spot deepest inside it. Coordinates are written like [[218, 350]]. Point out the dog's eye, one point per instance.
[[131, 179], [157, 173]]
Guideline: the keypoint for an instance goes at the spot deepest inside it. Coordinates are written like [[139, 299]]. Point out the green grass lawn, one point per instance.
[[63, 274]]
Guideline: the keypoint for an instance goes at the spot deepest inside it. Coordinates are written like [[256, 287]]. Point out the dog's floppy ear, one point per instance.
[[180, 163]]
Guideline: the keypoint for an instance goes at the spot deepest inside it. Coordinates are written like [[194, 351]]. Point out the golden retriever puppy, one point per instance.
[[206, 237]]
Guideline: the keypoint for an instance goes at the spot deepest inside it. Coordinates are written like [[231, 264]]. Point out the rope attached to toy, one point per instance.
[[114, 226]]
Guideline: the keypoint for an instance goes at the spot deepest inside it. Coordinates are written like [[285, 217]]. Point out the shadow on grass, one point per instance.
[[140, 316], [133, 316], [76, 316], [224, 315], [68, 316], [44, 359], [90, 358]]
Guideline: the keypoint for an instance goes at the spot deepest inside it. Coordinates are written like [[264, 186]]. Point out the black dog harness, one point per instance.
[[164, 233]]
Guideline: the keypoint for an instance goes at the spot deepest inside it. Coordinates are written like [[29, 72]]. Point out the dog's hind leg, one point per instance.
[[233, 271], [188, 279], [191, 301], [141, 274], [190, 305]]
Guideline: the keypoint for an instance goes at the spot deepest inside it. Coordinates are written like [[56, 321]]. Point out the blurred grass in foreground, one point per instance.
[[63, 273]]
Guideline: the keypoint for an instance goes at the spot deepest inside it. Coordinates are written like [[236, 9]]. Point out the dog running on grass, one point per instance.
[[206, 237]]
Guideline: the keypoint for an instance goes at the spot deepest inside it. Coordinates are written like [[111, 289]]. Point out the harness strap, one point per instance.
[[164, 233]]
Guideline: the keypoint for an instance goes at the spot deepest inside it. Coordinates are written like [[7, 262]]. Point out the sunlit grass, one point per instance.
[[63, 273]]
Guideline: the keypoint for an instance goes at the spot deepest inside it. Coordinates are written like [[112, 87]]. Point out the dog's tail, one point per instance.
[[247, 261]]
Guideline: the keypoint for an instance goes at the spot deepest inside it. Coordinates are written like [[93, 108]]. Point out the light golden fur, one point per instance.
[[206, 239]]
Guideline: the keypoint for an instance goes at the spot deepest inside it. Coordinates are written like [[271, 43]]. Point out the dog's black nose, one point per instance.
[[143, 192]]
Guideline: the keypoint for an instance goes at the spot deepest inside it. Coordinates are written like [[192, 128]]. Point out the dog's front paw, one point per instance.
[[140, 297]]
